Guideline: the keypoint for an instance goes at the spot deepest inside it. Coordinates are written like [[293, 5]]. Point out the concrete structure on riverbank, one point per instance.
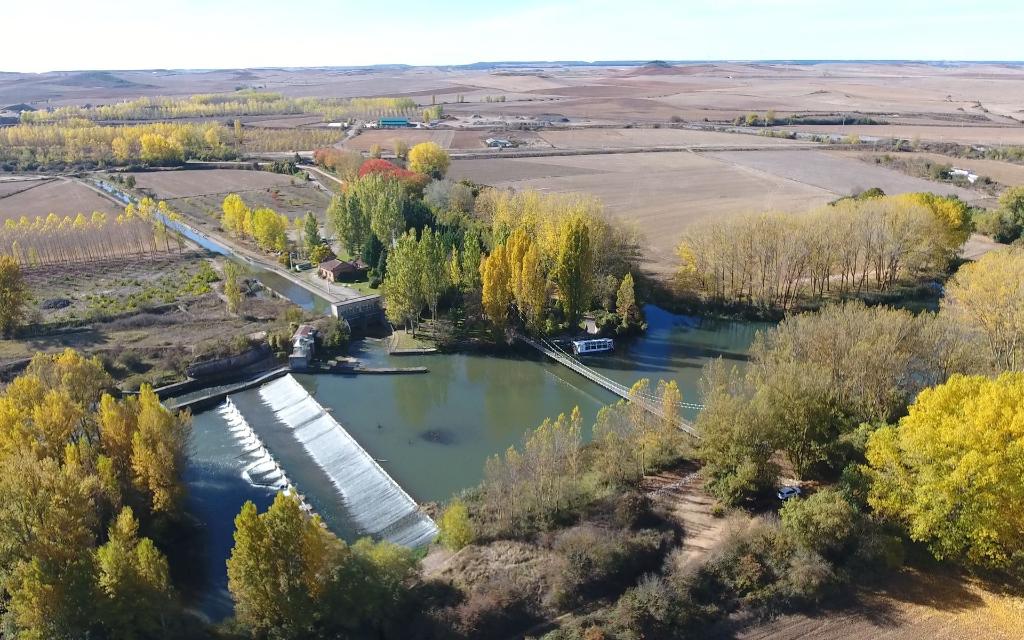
[[363, 311]]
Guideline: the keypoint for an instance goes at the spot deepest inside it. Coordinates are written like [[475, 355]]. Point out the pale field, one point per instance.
[[1005, 173], [178, 184], [837, 173], [618, 138], [944, 133], [62, 197], [664, 193], [386, 137], [660, 193]]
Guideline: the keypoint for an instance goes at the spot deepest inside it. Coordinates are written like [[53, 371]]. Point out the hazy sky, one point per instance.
[[143, 34]]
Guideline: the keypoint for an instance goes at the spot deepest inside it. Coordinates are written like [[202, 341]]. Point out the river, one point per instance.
[[433, 432]]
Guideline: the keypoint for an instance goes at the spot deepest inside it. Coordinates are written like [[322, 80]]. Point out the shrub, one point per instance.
[[597, 562], [823, 522], [456, 529]]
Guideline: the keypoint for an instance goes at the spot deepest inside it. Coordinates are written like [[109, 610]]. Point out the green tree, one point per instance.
[[574, 268], [311, 232], [277, 567], [823, 522], [232, 286], [403, 282], [13, 295], [134, 579], [625, 301], [381, 200], [735, 446], [434, 274], [349, 220], [951, 470], [456, 529]]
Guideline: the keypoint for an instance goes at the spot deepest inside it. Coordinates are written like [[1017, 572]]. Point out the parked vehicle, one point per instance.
[[785, 493]]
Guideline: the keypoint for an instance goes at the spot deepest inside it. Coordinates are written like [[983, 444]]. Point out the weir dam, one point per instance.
[[372, 500]]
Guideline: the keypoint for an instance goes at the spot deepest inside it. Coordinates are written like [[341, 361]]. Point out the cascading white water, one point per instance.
[[260, 470], [377, 504]]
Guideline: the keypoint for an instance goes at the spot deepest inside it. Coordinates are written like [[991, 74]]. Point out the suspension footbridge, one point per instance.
[[649, 402]]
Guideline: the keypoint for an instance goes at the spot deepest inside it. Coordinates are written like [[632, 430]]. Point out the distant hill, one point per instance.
[[94, 80]]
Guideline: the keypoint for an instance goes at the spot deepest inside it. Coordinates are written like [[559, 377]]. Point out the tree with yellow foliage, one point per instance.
[[951, 470], [496, 276], [988, 296], [13, 295], [158, 453], [574, 270], [236, 219], [430, 159]]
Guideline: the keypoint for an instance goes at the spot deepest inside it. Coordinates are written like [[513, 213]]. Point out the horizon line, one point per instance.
[[517, 63]]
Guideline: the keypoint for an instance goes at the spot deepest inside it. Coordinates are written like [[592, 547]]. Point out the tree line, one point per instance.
[[219, 105], [79, 142], [61, 240], [264, 226], [850, 248]]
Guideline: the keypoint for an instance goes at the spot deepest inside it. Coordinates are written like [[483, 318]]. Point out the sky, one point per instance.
[[206, 34]]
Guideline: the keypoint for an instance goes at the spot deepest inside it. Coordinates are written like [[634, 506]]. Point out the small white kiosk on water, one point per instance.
[[597, 345]]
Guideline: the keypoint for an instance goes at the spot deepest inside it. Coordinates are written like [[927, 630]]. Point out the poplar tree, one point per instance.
[[403, 282], [574, 270], [13, 295]]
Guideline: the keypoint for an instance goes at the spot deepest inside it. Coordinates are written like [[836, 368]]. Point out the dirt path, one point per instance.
[[682, 492]]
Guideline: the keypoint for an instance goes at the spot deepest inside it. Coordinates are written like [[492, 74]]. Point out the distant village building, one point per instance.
[[964, 173], [335, 270], [498, 143], [393, 123], [303, 347]]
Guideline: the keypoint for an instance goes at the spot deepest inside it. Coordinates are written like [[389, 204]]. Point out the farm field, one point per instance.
[[60, 196], [955, 134], [839, 174], [1005, 173], [617, 138], [179, 184], [661, 193], [386, 137], [200, 193]]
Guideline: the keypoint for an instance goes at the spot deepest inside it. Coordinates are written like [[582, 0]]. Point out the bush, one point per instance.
[[823, 522], [491, 611], [762, 566], [597, 563], [456, 529]]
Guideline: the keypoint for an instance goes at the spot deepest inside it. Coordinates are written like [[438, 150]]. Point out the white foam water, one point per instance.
[[377, 504], [261, 469]]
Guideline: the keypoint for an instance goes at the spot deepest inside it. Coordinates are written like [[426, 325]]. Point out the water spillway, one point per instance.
[[376, 503], [261, 469]]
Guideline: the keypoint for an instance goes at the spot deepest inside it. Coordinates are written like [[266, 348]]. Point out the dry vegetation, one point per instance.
[[145, 316]]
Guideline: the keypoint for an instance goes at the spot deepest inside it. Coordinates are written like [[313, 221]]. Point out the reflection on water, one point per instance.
[[435, 431]]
